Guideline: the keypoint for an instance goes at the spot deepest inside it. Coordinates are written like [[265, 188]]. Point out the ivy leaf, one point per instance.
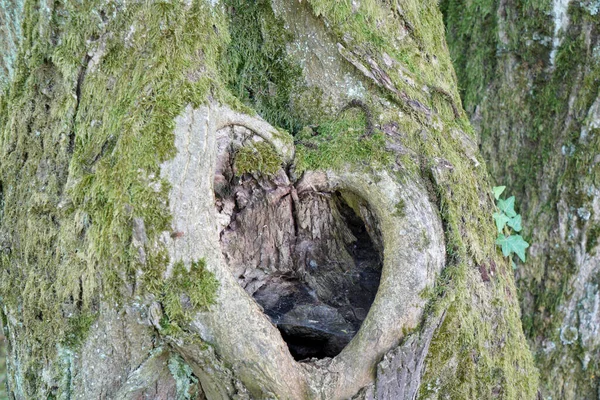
[[498, 191], [515, 223], [501, 220], [512, 243], [508, 206]]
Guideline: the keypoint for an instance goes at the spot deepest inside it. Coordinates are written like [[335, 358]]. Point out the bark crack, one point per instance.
[[80, 78], [381, 79]]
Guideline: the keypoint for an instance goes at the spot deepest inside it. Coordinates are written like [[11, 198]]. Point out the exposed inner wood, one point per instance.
[[311, 259]]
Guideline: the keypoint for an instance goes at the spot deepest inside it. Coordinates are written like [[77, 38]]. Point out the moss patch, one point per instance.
[[187, 292], [592, 239], [336, 142], [78, 329], [467, 355], [257, 158], [400, 208], [81, 159], [258, 70]]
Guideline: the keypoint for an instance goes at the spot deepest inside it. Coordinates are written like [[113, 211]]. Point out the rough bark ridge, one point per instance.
[[530, 73], [115, 277]]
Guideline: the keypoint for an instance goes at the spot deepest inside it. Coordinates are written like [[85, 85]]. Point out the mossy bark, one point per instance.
[[530, 73], [113, 281]]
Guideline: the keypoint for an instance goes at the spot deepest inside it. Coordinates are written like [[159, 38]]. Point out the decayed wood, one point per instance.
[[300, 250]]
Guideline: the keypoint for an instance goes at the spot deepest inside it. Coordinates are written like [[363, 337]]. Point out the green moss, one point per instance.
[[257, 158], [400, 208], [592, 239], [82, 158], [467, 358], [552, 292], [78, 329], [187, 292], [257, 66], [474, 44], [340, 141]]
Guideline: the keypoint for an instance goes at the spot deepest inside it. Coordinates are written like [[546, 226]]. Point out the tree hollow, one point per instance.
[[311, 259]]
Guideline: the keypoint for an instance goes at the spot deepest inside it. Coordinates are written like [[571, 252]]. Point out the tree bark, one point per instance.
[[530, 75], [170, 170]]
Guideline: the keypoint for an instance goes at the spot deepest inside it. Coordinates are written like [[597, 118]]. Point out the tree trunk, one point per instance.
[[531, 74], [247, 199]]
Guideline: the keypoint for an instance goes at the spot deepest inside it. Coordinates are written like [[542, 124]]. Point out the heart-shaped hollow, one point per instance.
[[239, 335], [310, 258]]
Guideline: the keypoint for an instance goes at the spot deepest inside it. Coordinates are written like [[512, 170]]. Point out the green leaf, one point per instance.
[[498, 191], [512, 263], [501, 220], [512, 244], [515, 223], [508, 206]]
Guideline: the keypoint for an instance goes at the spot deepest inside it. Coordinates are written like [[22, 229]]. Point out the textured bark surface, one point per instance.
[[136, 174], [531, 74], [399, 373]]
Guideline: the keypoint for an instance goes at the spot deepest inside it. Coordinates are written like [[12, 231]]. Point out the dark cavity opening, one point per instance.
[[312, 260], [332, 298]]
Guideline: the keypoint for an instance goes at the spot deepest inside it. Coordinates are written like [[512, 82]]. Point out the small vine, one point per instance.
[[508, 223]]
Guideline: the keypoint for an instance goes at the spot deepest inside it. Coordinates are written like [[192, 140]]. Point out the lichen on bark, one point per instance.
[[10, 28]]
